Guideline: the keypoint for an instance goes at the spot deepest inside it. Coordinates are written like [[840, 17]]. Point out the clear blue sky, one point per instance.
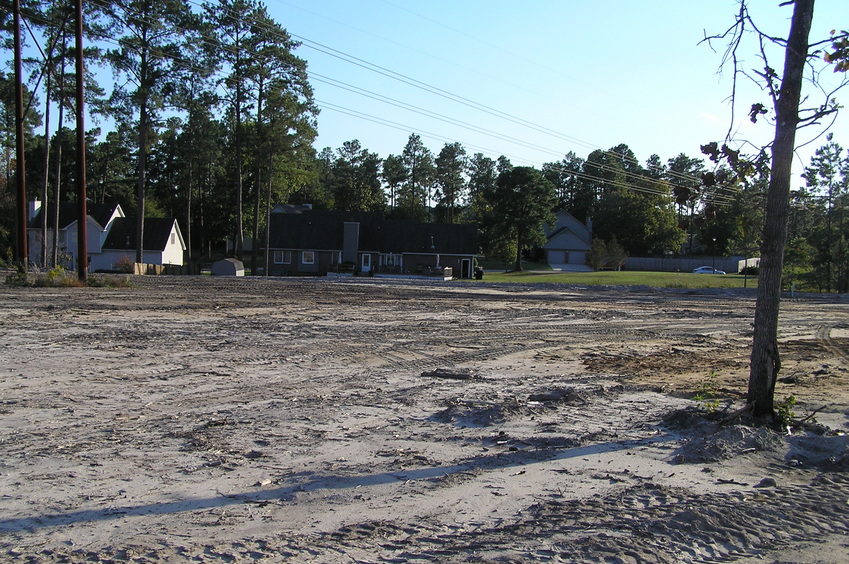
[[596, 73], [535, 79]]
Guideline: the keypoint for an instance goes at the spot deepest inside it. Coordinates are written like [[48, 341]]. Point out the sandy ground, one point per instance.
[[197, 419]]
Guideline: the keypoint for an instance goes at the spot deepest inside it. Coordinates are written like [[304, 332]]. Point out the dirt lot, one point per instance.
[[200, 419]]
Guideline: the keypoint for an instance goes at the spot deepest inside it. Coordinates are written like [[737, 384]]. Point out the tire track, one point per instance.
[[823, 336]]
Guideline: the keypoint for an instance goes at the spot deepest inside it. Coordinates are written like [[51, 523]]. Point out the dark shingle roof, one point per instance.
[[324, 230], [68, 214], [122, 236], [291, 208]]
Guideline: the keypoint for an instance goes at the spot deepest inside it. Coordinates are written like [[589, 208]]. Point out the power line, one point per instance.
[[384, 71], [407, 128], [467, 102]]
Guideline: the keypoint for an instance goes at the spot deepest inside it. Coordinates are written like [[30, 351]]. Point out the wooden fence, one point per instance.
[[170, 269]]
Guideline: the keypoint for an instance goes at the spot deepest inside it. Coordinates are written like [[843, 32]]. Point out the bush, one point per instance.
[[105, 281], [18, 278], [125, 264], [58, 276], [750, 270], [55, 277]]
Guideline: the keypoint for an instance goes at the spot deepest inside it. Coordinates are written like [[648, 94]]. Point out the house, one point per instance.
[[310, 242], [163, 242], [99, 221], [568, 242], [111, 236]]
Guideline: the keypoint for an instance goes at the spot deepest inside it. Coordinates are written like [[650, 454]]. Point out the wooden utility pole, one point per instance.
[[20, 166], [82, 211]]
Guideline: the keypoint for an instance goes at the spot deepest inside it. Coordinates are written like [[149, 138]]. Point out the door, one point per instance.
[[466, 268], [365, 264]]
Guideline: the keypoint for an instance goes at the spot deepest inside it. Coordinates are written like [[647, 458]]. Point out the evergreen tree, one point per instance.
[[482, 177], [450, 181], [827, 179], [355, 179], [150, 59], [574, 193], [520, 203], [394, 174], [415, 193]]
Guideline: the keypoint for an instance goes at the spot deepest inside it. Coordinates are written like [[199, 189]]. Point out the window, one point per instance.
[[390, 260], [308, 257], [282, 257], [173, 238]]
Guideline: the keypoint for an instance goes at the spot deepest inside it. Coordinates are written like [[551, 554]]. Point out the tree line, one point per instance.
[[213, 122]]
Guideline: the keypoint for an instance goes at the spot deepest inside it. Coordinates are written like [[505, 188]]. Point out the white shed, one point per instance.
[[228, 267]]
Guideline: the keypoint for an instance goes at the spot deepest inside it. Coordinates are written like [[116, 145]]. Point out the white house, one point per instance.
[[111, 236], [163, 242], [99, 222]]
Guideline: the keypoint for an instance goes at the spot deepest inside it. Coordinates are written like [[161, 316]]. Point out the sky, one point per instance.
[[536, 79]]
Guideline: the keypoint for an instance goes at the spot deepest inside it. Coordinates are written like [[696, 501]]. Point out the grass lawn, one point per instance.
[[627, 278]]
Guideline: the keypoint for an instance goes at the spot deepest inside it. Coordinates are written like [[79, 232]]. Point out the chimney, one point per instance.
[[350, 241], [32, 209]]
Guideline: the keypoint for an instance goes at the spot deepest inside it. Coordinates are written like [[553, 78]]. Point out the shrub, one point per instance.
[[125, 264], [18, 278], [750, 270], [105, 281], [57, 276], [707, 393], [784, 411]]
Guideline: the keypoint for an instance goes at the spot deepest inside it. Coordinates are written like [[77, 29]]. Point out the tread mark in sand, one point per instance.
[[825, 341]]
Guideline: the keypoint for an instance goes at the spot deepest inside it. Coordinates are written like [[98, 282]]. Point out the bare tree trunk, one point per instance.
[[240, 229], [46, 183], [82, 204], [57, 175], [189, 205], [57, 193], [765, 360], [257, 182], [255, 226], [140, 183], [267, 224], [518, 266]]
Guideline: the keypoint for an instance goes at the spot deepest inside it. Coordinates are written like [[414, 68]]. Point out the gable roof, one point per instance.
[[68, 213], [291, 208], [324, 230], [566, 222], [157, 230]]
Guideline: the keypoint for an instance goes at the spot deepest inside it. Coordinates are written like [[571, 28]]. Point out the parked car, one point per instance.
[[707, 270]]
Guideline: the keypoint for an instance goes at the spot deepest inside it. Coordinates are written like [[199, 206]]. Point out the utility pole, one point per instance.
[[82, 212], [20, 166]]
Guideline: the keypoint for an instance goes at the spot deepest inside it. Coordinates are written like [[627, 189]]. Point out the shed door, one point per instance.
[[466, 268], [366, 263]]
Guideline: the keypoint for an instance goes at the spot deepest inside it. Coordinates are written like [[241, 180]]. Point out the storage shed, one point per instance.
[[228, 267]]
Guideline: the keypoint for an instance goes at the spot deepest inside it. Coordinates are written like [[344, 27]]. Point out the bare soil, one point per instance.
[[204, 419]]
